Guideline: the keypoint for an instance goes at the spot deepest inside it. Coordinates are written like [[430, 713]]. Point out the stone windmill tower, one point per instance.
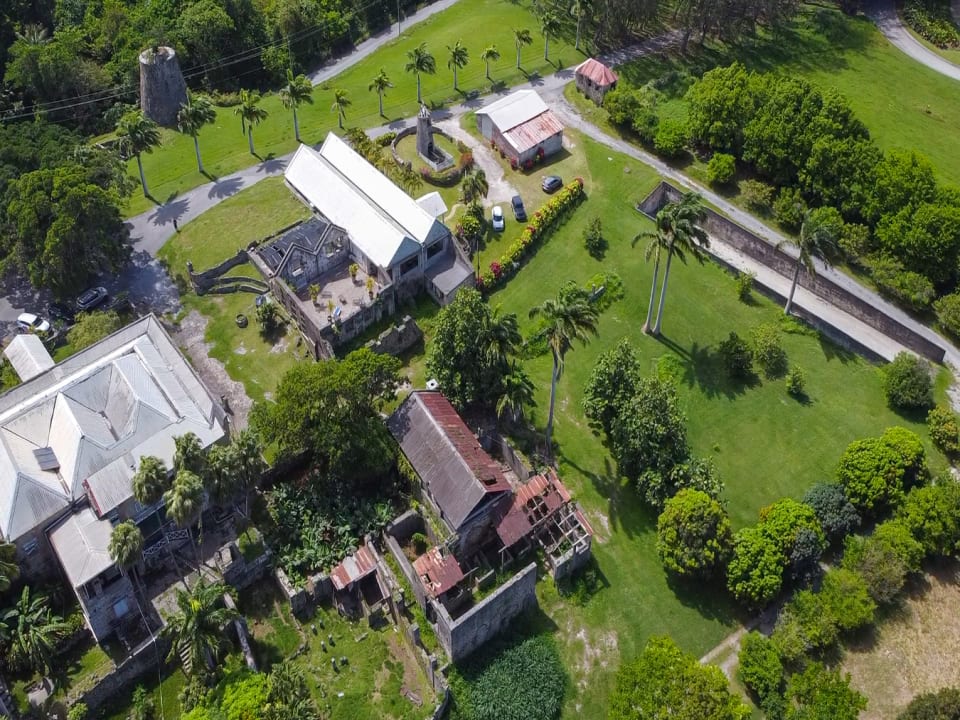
[[162, 87]]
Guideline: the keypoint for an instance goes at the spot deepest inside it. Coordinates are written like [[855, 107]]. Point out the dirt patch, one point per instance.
[[413, 677], [190, 337], [912, 651]]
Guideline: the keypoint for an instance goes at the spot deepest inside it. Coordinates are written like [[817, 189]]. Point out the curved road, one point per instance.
[[884, 14]]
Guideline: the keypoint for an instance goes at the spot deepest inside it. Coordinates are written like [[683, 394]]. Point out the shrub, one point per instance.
[[872, 475], [932, 515], [948, 313], [789, 209], [907, 383], [92, 327], [78, 711], [693, 535], [855, 241], [671, 138], [758, 196], [387, 138], [837, 515], [745, 284], [268, 316], [612, 384], [846, 598], [910, 288], [721, 169], [593, 239], [883, 559], [737, 356], [795, 381], [420, 543], [768, 350], [942, 425], [760, 667], [941, 705], [821, 693], [933, 22]]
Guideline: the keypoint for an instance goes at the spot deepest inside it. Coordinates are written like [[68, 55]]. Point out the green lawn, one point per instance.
[[165, 694], [171, 169], [764, 443]]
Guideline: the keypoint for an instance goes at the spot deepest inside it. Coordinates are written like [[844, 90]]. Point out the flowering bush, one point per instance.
[[553, 212]]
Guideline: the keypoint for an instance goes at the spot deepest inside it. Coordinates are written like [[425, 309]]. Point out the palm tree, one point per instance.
[[126, 547], [138, 134], [549, 25], [341, 101], [184, 501], [196, 631], [474, 186], [502, 336], [249, 456], [521, 38], [223, 473], [381, 83], [420, 61], [188, 454], [817, 240], [34, 631], [681, 222], [459, 57], [34, 34], [9, 570], [193, 115], [571, 316], [297, 91], [150, 481], [516, 392], [250, 114], [659, 241], [579, 10], [489, 55], [407, 178]]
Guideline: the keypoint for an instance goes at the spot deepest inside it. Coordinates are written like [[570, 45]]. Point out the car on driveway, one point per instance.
[[498, 221], [30, 323], [89, 299], [519, 211], [551, 183]]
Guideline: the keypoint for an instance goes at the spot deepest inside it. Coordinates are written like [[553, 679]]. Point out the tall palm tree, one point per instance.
[[297, 91], [569, 317], [341, 101], [197, 630], [34, 631], [489, 55], [502, 336], [459, 57], [521, 37], [381, 83], [816, 240], [682, 223], [138, 134], [549, 25], [516, 392], [188, 454], [224, 471], [249, 456], [659, 240], [193, 115], [9, 570], [34, 34], [474, 186], [184, 502], [126, 546], [579, 9], [150, 482], [250, 114], [420, 61]]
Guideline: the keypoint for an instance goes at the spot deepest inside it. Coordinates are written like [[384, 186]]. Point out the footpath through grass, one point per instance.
[[171, 169]]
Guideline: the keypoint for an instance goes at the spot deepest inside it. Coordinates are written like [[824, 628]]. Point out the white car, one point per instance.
[[498, 223], [30, 323]]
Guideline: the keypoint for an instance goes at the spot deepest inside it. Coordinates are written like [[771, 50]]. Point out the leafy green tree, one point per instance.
[[755, 570], [671, 137], [760, 667], [721, 105], [901, 179], [942, 426], [419, 61], [197, 629], [694, 538], [92, 327], [940, 705], [839, 173], [138, 134], [665, 682], [872, 474], [521, 37], [568, 318], [490, 54], [817, 241], [737, 356], [289, 695], [805, 625], [341, 101], [380, 84], [34, 632], [721, 169], [251, 114], [907, 383], [837, 515], [191, 119], [459, 57], [847, 600], [299, 90], [926, 239], [206, 29], [933, 515], [613, 382], [884, 559], [821, 693]]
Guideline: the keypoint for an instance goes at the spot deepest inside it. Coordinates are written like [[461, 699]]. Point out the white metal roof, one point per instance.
[[515, 109], [383, 222], [28, 356], [82, 543], [90, 418], [433, 203]]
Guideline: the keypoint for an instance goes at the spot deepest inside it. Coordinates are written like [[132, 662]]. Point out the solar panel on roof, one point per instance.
[[46, 458]]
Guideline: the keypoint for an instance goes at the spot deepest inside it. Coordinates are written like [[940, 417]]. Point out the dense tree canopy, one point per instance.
[[821, 694], [614, 381], [837, 515], [694, 537], [941, 705], [875, 472]]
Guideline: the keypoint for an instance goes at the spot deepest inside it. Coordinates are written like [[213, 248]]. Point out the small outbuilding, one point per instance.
[[594, 79], [522, 127]]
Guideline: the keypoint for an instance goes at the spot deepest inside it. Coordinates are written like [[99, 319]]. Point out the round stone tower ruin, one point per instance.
[[162, 87]]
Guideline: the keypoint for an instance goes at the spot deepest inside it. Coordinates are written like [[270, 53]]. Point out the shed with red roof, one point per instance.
[[594, 79]]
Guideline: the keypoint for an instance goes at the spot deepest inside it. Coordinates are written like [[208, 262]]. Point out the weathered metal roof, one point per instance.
[[514, 109], [533, 503], [596, 72], [458, 473], [353, 567], [28, 356], [433, 203], [82, 543], [534, 131], [438, 573]]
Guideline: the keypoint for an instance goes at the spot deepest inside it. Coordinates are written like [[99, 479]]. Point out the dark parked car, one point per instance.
[[61, 312], [519, 212], [89, 299], [552, 183]]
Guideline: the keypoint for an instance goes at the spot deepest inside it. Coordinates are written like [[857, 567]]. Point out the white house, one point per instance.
[[521, 126]]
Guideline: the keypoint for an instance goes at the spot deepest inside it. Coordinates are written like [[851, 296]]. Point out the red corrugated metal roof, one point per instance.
[[534, 131], [353, 567], [597, 72], [437, 572], [534, 501]]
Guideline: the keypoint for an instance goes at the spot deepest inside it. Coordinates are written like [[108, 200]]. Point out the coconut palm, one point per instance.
[[184, 501], [34, 34], [659, 240], [197, 630], [681, 222], [188, 454], [381, 83], [297, 91], [138, 134], [569, 317], [521, 37], [34, 632], [193, 115], [223, 473], [816, 241], [489, 55], [420, 61], [549, 25], [579, 9], [502, 337], [474, 186], [9, 570], [249, 457], [126, 547], [516, 392], [250, 114], [150, 480], [341, 101], [459, 57]]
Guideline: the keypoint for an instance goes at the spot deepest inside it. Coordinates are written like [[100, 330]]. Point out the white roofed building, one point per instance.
[[522, 127]]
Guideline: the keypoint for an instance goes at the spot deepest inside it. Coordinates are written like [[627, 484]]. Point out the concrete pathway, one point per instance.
[[884, 14]]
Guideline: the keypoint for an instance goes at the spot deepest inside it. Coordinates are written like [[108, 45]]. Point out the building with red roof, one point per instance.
[[521, 126], [594, 79]]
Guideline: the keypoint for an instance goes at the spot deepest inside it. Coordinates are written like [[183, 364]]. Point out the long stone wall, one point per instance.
[[144, 658], [759, 249]]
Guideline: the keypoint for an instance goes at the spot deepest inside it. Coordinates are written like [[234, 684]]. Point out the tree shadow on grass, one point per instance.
[[704, 368], [709, 598]]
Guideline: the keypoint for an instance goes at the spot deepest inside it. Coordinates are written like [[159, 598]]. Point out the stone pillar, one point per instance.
[[424, 134], [162, 87]]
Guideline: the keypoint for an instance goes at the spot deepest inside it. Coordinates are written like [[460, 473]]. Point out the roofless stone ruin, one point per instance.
[[162, 87]]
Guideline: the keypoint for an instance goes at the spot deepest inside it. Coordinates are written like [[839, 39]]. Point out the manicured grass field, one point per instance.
[[172, 169], [765, 444]]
